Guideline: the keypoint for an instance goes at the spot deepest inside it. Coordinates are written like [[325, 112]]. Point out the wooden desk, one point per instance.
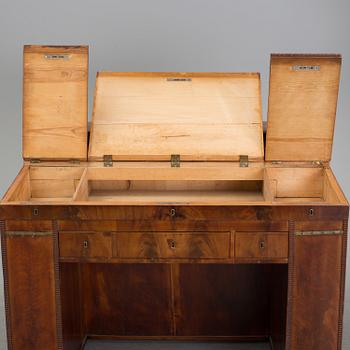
[[223, 242]]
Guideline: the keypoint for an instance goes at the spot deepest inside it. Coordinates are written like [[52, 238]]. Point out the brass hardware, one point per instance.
[[57, 56], [178, 79], [311, 212], [262, 245], [172, 212], [35, 211], [175, 160], [86, 244], [319, 233], [27, 234], [243, 161], [303, 68], [34, 160], [171, 243], [108, 160]]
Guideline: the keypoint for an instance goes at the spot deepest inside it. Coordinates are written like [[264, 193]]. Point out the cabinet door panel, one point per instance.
[[316, 292], [31, 290]]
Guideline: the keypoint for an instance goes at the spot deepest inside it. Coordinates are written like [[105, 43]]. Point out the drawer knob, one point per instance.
[[171, 244], [262, 245], [86, 244], [172, 212]]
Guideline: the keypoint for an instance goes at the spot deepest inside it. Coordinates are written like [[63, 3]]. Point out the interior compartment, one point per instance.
[[174, 190], [136, 184], [44, 184], [302, 185]]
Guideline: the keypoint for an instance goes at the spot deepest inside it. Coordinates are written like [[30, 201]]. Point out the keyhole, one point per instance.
[[172, 212], [86, 244], [311, 212], [172, 244], [262, 245], [36, 211]]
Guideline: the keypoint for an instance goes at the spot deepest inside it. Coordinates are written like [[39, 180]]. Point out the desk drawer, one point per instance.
[[172, 245], [261, 245], [85, 245]]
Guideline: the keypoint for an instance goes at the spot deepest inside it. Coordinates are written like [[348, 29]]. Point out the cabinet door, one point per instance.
[[30, 287], [316, 290]]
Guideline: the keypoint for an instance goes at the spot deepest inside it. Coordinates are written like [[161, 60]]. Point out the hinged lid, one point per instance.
[[302, 107], [55, 102], [198, 116]]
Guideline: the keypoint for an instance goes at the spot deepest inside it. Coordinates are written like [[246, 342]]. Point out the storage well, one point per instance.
[[191, 185], [44, 184]]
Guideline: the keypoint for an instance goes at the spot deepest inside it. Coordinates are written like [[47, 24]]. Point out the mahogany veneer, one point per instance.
[[175, 224]]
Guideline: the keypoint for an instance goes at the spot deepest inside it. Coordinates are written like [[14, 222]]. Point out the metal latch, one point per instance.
[[27, 234], [319, 233], [175, 160], [108, 160], [243, 161]]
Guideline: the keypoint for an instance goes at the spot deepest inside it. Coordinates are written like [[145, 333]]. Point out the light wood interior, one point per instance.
[[302, 107], [44, 184], [201, 116], [55, 84], [191, 185]]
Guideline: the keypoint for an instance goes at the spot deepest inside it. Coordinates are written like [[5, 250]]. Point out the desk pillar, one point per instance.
[[31, 277], [316, 287]]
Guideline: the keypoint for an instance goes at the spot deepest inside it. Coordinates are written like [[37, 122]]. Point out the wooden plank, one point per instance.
[[20, 188], [191, 141], [210, 116], [82, 189], [302, 107], [55, 102]]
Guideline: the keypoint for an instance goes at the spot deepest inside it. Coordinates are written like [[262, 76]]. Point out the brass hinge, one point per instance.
[[27, 234], [319, 233], [243, 161], [175, 160], [74, 161], [34, 160], [108, 160]]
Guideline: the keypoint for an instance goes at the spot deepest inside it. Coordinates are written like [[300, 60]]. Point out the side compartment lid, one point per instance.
[[55, 83], [302, 106], [199, 116]]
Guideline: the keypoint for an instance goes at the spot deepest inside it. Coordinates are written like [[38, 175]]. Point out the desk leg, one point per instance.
[[30, 288], [316, 282]]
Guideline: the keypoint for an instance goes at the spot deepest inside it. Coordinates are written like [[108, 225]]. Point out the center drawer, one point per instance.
[[150, 245]]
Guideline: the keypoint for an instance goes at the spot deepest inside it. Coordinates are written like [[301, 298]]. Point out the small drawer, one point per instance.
[[172, 245], [261, 245], [85, 245]]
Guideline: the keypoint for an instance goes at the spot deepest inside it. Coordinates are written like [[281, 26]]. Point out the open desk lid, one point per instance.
[[302, 107], [199, 116], [55, 102]]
